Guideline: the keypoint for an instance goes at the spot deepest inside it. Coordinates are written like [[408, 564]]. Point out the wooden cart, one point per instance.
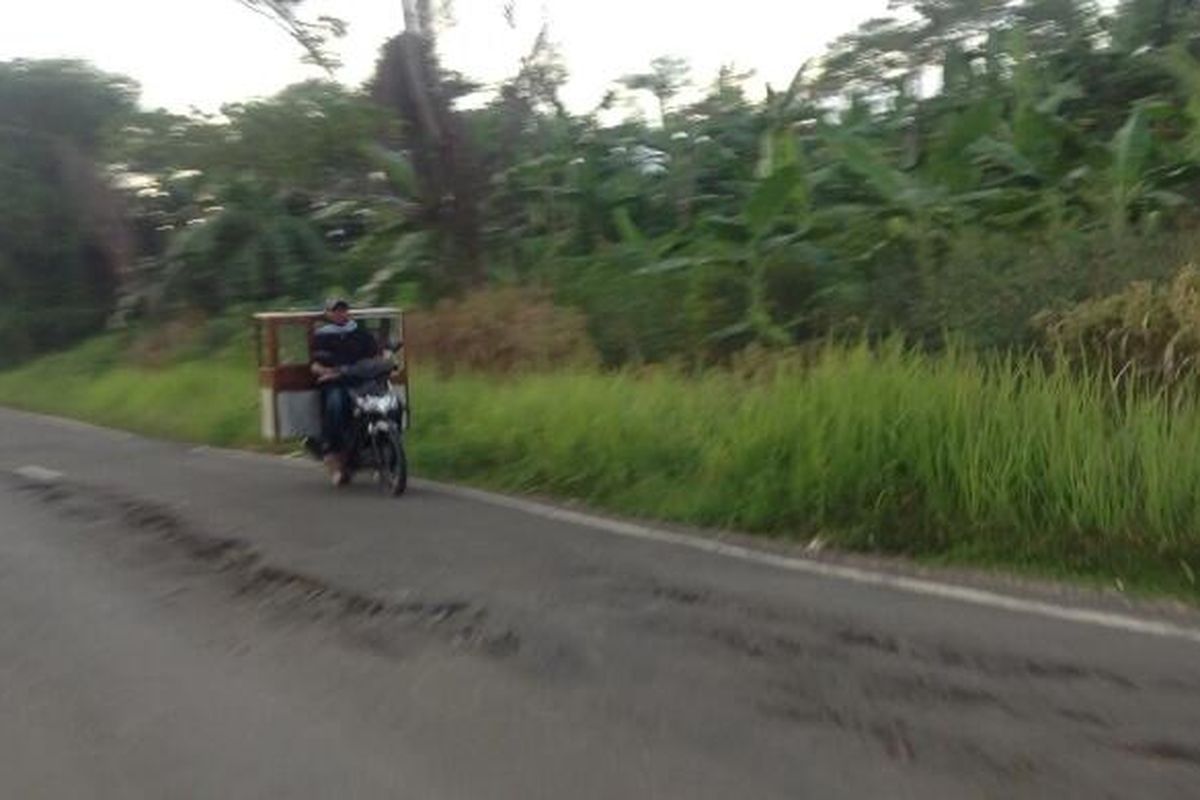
[[290, 399]]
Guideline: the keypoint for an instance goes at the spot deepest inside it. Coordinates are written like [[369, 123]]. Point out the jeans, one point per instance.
[[335, 418]]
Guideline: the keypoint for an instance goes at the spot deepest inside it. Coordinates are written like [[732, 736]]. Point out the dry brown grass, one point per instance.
[[500, 331], [1149, 331]]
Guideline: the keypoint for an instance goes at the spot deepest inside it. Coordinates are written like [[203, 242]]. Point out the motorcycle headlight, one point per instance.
[[382, 404]]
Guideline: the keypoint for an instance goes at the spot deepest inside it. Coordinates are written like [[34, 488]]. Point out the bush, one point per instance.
[[500, 330], [1149, 333], [632, 318]]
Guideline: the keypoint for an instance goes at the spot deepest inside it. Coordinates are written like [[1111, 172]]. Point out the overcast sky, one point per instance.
[[202, 53]]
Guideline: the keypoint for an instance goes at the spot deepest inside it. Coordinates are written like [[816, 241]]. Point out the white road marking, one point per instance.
[[39, 474], [917, 586]]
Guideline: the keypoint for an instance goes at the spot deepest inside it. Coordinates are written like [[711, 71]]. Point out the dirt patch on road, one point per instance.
[[159, 534]]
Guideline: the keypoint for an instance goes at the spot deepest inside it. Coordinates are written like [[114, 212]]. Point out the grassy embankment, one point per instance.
[[950, 458]]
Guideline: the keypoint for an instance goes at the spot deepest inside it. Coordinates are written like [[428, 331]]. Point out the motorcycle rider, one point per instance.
[[338, 346]]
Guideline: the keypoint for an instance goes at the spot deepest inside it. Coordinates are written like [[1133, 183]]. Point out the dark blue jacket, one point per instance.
[[343, 345]]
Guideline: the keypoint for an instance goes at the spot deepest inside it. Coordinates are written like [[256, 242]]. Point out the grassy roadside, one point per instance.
[[207, 398], [950, 459]]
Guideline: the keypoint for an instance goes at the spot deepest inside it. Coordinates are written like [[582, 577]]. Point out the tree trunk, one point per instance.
[[407, 79]]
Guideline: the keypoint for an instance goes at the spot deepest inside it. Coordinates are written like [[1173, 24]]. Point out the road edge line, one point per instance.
[[908, 585], [921, 587]]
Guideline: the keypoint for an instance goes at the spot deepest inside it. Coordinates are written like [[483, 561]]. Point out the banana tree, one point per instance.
[[254, 244], [1180, 63], [388, 246], [1137, 177], [1005, 147], [773, 224]]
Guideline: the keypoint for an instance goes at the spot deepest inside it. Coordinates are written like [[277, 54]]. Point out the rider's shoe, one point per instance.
[[337, 473]]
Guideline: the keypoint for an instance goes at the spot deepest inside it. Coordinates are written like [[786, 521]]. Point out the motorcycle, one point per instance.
[[375, 439], [379, 400]]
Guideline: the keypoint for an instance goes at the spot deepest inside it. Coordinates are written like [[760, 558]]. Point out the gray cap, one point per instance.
[[336, 302]]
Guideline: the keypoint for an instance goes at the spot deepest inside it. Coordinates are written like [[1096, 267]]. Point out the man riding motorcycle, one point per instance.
[[339, 345]]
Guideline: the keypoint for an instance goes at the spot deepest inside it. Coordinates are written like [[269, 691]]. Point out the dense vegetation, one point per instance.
[[961, 166], [944, 274]]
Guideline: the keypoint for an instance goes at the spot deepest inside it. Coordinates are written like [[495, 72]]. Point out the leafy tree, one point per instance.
[[63, 241], [668, 76], [311, 136], [312, 35], [1155, 23], [959, 163], [409, 80], [254, 245]]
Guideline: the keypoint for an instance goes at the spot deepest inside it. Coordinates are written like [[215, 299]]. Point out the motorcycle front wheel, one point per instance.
[[391, 462]]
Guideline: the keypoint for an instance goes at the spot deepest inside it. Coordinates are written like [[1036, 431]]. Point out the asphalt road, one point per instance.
[[196, 624]]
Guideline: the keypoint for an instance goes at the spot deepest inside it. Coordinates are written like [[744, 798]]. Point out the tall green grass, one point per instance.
[[950, 456], [953, 457], [201, 397]]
